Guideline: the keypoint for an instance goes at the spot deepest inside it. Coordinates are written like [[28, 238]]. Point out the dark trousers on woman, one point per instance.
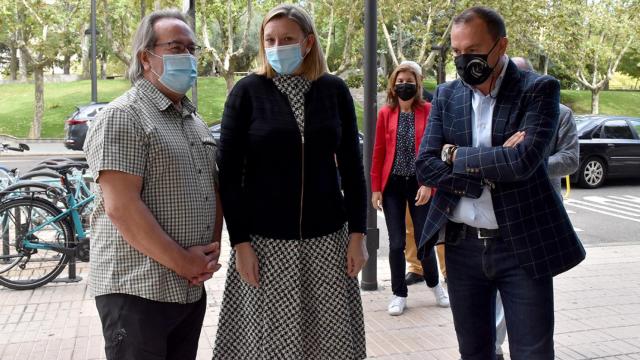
[[400, 191]]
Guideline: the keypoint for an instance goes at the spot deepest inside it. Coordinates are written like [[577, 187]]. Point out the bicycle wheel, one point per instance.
[[24, 268]]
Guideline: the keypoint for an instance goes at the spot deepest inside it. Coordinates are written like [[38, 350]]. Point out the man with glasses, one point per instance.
[[505, 227], [157, 223]]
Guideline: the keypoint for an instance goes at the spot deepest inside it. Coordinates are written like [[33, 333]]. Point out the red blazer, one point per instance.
[[384, 150]]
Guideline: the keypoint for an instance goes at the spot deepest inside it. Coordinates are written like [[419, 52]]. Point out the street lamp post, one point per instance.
[[94, 76], [369, 273]]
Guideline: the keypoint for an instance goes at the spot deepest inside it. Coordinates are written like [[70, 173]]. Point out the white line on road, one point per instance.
[[591, 207], [614, 204], [630, 198]]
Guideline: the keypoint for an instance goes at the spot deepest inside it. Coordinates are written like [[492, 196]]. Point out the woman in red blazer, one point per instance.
[[399, 130]]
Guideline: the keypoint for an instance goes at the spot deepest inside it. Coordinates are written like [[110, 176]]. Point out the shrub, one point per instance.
[[355, 81]]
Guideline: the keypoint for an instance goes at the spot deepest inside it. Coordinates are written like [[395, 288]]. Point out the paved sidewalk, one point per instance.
[[597, 316]]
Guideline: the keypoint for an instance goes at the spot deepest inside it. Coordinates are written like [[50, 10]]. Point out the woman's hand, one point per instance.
[[357, 254], [247, 264], [423, 195], [376, 200]]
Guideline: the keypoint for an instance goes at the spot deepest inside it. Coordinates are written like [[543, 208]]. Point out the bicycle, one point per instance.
[[38, 238]]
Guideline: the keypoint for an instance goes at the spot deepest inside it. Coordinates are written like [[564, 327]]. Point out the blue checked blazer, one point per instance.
[[529, 212]]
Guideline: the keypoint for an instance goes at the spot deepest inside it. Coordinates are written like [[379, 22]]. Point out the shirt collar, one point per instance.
[[161, 101]]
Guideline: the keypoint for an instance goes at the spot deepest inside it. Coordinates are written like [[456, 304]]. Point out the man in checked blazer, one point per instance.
[[505, 227]]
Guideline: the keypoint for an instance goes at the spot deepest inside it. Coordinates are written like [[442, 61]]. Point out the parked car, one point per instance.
[[609, 148], [215, 132], [75, 128]]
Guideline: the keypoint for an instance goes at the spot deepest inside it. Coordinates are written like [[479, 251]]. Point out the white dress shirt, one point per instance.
[[479, 212]]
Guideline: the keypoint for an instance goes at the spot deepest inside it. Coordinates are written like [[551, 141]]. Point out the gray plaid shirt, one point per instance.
[[142, 133]]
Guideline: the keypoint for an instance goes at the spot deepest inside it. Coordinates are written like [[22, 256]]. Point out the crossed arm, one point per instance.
[[515, 160], [503, 163]]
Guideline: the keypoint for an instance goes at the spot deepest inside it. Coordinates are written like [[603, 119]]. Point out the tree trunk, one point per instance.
[[23, 66], [595, 101], [229, 79], [66, 64], [143, 8], [85, 61], [156, 5], [38, 113], [13, 64], [329, 35], [103, 66], [387, 37]]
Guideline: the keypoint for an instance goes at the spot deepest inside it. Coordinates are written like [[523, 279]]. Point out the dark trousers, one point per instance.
[[135, 328], [400, 191], [476, 268]]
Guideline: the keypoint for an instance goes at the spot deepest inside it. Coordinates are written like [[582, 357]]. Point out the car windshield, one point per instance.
[[90, 112], [584, 124]]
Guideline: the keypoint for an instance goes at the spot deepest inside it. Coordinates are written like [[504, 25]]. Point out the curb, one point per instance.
[[35, 153], [5, 137]]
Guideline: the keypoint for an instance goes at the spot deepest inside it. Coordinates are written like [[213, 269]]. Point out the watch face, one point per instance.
[[443, 155]]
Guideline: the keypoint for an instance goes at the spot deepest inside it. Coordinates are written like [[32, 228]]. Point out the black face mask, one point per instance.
[[474, 69], [406, 91]]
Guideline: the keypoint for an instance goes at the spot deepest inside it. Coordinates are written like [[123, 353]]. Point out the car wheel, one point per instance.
[[592, 173]]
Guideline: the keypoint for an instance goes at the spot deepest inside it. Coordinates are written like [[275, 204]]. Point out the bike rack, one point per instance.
[[71, 271]]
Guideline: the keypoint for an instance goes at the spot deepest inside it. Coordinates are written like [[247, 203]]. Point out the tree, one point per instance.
[[118, 14], [41, 28], [630, 64], [610, 27], [340, 32], [230, 18]]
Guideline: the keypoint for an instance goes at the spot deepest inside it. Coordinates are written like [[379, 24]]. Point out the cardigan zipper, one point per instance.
[[301, 188]]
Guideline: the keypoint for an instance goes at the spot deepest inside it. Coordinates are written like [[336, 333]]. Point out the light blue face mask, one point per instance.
[[285, 59], [180, 72]]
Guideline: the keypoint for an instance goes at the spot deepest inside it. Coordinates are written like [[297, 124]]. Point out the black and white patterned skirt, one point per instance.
[[306, 307]]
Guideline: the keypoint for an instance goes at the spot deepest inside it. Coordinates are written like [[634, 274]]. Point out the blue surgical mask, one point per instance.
[[285, 59], [180, 72]]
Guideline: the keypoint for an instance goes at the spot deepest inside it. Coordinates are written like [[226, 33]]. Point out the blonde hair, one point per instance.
[[392, 97], [313, 66]]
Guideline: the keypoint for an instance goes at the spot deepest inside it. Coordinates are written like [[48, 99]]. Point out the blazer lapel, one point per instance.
[[462, 121], [504, 104], [392, 125]]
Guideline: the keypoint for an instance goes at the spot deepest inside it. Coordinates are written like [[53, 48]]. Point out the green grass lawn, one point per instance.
[[16, 103], [611, 102], [60, 100]]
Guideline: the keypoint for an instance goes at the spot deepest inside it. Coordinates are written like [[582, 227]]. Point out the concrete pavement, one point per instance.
[[597, 316]]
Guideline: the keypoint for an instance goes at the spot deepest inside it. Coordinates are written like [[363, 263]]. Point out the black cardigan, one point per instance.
[[267, 175]]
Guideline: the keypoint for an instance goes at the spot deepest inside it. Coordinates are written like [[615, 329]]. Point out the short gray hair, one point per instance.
[[522, 63], [145, 38]]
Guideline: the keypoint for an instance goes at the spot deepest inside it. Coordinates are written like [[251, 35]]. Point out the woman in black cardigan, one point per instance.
[[298, 241]]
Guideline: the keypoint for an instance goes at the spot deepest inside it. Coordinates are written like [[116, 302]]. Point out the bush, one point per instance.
[[355, 81], [382, 83]]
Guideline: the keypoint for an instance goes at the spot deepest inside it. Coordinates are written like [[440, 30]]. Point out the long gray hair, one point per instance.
[[145, 38]]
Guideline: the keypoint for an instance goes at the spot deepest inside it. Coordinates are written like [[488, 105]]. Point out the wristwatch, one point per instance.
[[447, 153]]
